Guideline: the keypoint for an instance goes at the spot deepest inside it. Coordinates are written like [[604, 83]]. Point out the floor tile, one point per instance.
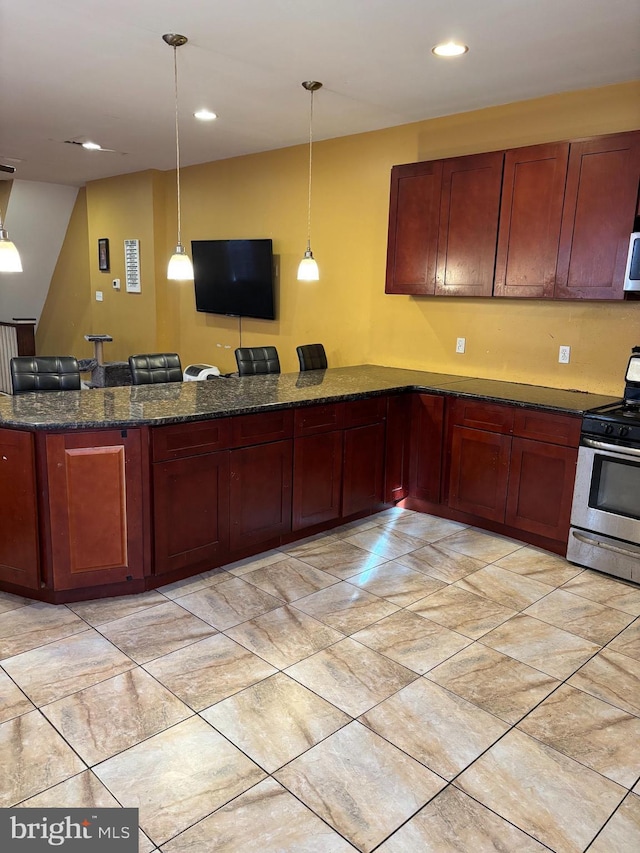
[[483, 546], [28, 627], [454, 823], [592, 732], [462, 611], [65, 666], [539, 565], [33, 757], [436, 727], [229, 603], [542, 646], [350, 775], [156, 631], [176, 590], [250, 564], [266, 818], [397, 584], [385, 543], [289, 579], [605, 590], [612, 677], [144, 708], [194, 771], [356, 526], [284, 636], [440, 562], [275, 721], [507, 588], [412, 641], [8, 601], [580, 616], [208, 671], [82, 791], [351, 677], [345, 607], [102, 610], [429, 528], [622, 833], [337, 557], [493, 681], [13, 702], [560, 802], [628, 642]]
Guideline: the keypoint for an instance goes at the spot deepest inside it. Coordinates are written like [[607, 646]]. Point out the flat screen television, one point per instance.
[[234, 277]]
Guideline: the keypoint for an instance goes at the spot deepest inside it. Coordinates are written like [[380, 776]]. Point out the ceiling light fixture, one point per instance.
[[91, 146], [308, 268], [205, 115], [450, 48], [180, 267], [9, 255]]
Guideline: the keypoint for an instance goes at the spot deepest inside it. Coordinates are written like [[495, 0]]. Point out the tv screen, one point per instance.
[[234, 277]]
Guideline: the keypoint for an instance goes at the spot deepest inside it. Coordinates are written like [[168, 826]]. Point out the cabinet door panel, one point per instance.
[[19, 551], [398, 448], [413, 228], [191, 512], [261, 427], [530, 217], [317, 478], [468, 228], [363, 469], [493, 417], [479, 472], [541, 488], [427, 414], [260, 493], [599, 209]]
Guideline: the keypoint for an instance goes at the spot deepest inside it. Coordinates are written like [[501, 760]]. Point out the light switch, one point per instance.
[[99, 296]]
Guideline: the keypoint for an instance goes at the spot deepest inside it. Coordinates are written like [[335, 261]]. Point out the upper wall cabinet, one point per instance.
[[545, 221]]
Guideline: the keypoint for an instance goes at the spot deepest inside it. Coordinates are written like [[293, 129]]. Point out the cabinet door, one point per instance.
[[599, 209], [414, 209], [260, 493], [363, 469], [191, 512], [468, 228], [19, 552], [398, 448], [95, 507], [479, 472], [317, 478], [530, 218], [541, 488], [427, 413]]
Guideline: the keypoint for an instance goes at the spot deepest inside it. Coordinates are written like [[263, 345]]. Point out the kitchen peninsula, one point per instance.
[[119, 490]]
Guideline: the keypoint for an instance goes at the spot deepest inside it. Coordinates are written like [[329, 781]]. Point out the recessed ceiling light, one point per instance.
[[450, 48], [91, 146], [205, 115]]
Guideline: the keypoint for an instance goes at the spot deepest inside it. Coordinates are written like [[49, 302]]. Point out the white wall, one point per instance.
[[36, 218]]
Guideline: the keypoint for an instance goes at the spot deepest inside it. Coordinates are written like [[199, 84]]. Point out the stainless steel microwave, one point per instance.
[[632, 271]]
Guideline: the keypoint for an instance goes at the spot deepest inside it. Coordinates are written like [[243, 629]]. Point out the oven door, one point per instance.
[[606, 498]]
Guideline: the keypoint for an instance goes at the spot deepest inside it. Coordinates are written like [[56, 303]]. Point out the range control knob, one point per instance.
[[622, 431], [608, 429]]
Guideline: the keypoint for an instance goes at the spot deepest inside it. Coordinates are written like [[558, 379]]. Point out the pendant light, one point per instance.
[[9, 255], [180, 267], [308, 269]]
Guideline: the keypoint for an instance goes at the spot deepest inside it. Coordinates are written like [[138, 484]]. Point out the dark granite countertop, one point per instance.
[[176, 402]]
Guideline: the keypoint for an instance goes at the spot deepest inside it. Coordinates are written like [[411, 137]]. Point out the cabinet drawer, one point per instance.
[[547, 426], [370, 410], [316, 419], [261, 428], [191, 439], [478, 415]]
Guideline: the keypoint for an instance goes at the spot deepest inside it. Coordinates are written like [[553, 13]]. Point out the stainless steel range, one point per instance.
[[605, 517]]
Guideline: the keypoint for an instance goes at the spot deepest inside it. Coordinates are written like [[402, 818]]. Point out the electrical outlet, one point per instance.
[[461, 343], [116, 283], [564, 356], [99, 296]]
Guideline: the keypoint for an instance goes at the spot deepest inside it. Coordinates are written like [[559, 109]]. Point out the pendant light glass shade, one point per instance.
[[180, 267], [9, 255], [308, 268]]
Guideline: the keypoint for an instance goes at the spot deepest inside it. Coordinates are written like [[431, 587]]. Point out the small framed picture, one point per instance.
[[103, 254]]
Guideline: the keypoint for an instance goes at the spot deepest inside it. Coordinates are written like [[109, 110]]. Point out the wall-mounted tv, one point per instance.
[[234, 277]]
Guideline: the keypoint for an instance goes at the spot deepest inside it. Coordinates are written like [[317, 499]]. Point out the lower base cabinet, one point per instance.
[[19, 550], [317, 478], [362, 482]]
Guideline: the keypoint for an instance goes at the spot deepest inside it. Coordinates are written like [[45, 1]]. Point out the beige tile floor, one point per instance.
[[401, 684]]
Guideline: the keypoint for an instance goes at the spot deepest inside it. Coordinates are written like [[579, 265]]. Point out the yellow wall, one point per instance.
[[265, 195]]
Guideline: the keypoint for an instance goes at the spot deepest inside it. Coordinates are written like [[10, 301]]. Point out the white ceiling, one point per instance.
[[99, 70]]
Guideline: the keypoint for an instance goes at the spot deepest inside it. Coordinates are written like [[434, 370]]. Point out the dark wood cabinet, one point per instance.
[[95, 497], [362, 479], [427, 416], [397, 447], [479, 472], [317, 478], [19, 549]]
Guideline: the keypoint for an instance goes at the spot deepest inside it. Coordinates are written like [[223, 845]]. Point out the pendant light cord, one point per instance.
[[175, 78], [310, 164]]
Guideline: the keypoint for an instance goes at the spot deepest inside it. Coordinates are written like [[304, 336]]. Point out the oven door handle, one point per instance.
[[597, 541], [611, 448]]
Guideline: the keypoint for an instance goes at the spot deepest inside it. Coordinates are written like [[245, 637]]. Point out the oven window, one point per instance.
[[615, 486]]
